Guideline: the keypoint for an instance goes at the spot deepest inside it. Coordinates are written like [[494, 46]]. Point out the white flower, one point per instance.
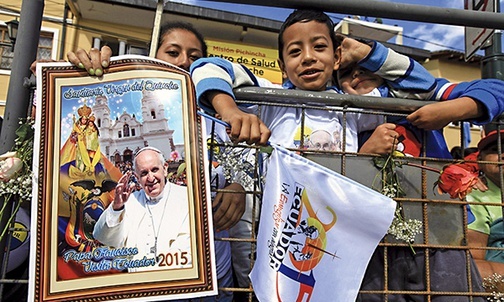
[[9, 167], [15, 165], [494, 283], [237, 163], [16, 169], [403, 229], [8, 154]]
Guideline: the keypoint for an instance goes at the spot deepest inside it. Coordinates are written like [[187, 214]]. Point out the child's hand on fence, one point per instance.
[[382, 141], [245, 127], [438, 115], [228, 207], [432, 116]]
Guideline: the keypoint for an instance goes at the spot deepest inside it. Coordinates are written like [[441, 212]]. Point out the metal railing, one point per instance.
[[444, 220]]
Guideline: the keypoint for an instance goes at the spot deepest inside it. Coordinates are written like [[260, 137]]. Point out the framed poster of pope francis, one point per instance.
[[120, 206]]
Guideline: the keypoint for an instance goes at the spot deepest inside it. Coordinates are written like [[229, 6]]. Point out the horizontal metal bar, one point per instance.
[[389, 10], [325, 98]]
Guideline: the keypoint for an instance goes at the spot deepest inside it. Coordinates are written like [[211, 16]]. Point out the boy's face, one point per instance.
[[491, 170], [309, 56], [357, 80]]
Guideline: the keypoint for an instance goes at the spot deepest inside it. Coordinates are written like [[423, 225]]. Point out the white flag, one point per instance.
[[317, 232]]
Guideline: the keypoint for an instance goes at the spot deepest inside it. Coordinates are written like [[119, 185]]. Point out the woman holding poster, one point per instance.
[[180, 44]]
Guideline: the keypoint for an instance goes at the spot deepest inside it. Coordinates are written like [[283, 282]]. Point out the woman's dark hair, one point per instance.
[[170, 26], [306, 15]]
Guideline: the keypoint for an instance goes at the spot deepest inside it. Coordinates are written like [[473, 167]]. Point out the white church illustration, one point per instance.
[[120, 137]]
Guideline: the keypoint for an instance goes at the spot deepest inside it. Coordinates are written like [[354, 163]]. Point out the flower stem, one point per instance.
[[9, 222], [411, 247], [424, 167]]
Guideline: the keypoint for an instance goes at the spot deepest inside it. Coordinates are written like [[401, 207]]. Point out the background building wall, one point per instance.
[[80, 32]]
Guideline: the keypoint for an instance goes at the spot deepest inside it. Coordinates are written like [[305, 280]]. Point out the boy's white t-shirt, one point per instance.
[[323, 130]]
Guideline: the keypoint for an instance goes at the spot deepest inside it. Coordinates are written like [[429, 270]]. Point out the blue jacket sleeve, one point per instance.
[[217, 74], [400, 71], [489, 92]]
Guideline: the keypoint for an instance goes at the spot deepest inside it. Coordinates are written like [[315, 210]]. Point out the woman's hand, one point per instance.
[[94, 61]]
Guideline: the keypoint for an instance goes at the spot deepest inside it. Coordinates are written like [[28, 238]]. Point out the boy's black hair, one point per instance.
[[306, 15], [170, 26]]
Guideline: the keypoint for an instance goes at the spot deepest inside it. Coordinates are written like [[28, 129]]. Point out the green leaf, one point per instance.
[[379, 162], [24, 131], [181, 169], [266, 149]]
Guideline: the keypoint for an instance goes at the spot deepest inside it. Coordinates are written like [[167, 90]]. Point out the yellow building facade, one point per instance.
[[250, 40]]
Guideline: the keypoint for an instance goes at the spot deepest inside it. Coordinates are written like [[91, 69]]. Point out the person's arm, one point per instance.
[[217, 74], [479, 102], [400, 71], [438, 115], [486, 268], [214, 79], [109, 228], [94, 62]]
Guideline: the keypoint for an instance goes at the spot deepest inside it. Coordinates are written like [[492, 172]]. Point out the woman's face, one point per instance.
[[180, 48]]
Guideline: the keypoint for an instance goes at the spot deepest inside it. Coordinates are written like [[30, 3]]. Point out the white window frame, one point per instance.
[[54, 51]]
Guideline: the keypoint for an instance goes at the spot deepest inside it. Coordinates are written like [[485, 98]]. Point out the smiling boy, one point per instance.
[[307, 59]]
